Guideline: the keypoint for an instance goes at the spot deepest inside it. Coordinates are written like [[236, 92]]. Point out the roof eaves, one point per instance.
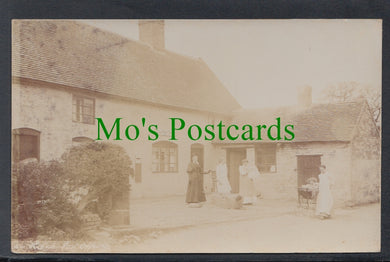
[[224, 142]]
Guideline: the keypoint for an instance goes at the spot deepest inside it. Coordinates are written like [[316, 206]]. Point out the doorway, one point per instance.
[[25, 144], [307, 166], [234, 158], [198, 149]]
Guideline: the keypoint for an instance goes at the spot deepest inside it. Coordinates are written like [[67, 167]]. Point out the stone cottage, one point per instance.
[[342, 136], [65, 74]]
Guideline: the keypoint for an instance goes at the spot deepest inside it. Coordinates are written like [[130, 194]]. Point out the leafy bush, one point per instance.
[[49, 198], [40, 203], [102, 169]]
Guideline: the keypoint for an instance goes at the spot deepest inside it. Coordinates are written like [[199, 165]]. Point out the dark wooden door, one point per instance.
[[25, 144], [308, 166], [234, 158]]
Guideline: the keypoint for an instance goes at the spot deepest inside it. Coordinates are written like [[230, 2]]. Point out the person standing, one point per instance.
[[223, 185], [247, 187], [195, 191], [324, 198]]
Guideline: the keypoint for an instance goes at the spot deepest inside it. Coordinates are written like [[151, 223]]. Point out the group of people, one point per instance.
[[195, 189], [196, 194]]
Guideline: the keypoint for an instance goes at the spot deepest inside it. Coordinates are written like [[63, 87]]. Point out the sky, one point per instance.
[[263, 62]]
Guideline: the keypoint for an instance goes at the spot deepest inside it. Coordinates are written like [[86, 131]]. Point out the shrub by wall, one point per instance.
[[40, 202], [102, 170], [51, 198]]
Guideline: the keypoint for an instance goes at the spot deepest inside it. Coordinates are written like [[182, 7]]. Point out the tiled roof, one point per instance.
[[320, 122], [79, 55]]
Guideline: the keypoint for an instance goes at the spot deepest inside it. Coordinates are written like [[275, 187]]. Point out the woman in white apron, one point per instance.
[[324, 198]]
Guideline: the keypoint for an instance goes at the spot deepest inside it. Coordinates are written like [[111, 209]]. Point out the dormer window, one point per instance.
[[83, 109]]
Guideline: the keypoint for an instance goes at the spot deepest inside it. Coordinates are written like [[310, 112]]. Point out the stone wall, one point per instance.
[[48, 111], [283, 184]]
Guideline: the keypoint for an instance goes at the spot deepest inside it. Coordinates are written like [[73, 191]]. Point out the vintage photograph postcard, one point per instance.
[[196, 136]]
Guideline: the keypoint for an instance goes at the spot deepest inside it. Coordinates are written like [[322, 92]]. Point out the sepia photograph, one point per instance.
[[196, 136]]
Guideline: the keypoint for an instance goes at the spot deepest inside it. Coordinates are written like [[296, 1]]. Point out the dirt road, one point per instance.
[[350, 230]]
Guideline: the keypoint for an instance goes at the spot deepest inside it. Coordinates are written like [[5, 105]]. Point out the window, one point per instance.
[[164, 156], [266, 158], [25, 144], [83, 109]]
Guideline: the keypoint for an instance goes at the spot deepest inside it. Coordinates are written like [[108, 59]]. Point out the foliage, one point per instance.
[[349, 91], [45, 198], [40, 205], [102, 169]]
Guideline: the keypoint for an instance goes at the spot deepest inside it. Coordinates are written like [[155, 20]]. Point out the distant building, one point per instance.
[[65, 74]]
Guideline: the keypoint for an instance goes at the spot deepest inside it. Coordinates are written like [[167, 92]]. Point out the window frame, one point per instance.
[[78, 115], [166, 145]]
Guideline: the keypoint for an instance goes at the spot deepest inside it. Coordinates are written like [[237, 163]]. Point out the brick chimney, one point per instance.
[[151, 32], [304, 96]]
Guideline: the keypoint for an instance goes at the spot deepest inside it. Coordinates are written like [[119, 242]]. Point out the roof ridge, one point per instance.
[[296, 106], [137, 41], [79, 22], [355, 101], [167, 51]]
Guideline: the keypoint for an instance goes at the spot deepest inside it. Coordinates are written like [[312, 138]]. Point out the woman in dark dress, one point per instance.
[[195, 191]]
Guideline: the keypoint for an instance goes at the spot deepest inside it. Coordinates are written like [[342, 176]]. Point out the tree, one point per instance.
[[351, 91]]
